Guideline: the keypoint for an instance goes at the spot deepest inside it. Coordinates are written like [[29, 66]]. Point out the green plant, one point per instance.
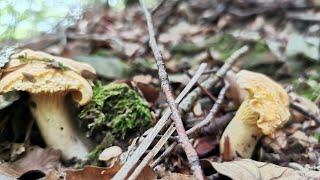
[[118, 107]]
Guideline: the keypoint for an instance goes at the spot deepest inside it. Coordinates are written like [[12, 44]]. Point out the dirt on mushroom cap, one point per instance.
[[267, 98]]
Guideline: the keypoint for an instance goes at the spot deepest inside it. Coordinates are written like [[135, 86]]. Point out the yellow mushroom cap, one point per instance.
[[266, 100], [47, 80], [35, 56]]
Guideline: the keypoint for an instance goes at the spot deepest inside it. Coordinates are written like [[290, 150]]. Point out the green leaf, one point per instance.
[[305, 46], [107, 67]]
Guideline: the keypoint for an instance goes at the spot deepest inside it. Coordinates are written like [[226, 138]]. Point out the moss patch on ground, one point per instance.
[[118, 107]]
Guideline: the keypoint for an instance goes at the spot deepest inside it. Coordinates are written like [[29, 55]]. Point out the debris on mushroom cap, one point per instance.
[[266, 98], [30, 56], [46, 80], [110, 152]]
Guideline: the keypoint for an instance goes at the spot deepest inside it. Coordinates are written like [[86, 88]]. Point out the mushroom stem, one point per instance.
[[55, 124], [243, 135]]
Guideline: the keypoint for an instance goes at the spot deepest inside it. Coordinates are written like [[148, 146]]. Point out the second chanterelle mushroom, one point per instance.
[[265, 108], [48, 79]]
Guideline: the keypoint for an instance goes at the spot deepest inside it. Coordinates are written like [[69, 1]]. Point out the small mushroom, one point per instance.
[[264, 109], [111, 155], [48, 88]]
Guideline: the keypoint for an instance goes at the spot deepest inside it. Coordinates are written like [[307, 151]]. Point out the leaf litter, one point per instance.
[[284, 44]]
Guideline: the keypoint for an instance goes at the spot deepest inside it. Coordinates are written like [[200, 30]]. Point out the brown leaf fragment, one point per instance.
[[103, 173], [92, 172], [36, 161], [177, 176], [250, 169]]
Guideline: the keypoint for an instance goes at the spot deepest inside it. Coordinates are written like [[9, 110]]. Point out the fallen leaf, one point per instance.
[[204, 145], [175, 33], [102, 173], [92, 172], [250, 169], [303, 139], [149, 92], [177, 176], [37, 160], [306, 46], [107, 67]]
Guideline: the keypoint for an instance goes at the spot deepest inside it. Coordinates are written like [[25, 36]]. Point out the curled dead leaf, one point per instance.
[[250, 169]]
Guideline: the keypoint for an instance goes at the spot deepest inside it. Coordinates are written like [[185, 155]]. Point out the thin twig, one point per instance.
[[204, 90], [169, 132], [218, 123], [183, 138], [164, 154], [152, 153], [215, 108], [136, 155], [187, 102]]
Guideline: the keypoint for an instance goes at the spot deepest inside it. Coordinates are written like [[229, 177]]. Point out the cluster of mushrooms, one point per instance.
[[48, 79]]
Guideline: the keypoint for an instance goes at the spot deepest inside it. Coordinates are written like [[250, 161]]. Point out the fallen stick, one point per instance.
[[183, 137], [133, 159], [215, 108], [153, 152], [187, 102], [168, 134], [192, 130]]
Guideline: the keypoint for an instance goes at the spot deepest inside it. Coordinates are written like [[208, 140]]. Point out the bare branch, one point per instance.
[[183, 138], [130, 163]]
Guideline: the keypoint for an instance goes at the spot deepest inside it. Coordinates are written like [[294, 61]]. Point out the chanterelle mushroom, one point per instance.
[[48, 87], [265, 108]]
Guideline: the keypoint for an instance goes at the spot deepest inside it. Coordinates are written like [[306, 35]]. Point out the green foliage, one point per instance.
[[118, 107], [308, 87]]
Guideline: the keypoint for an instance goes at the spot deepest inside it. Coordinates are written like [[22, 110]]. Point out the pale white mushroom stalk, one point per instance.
[[265, 108], [56, 126], [48, 88]]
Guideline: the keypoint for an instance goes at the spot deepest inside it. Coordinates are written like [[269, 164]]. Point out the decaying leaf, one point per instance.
[[100, 173], [106, 67], [36, 159], [92, 172], [177, 176], [250, 169]]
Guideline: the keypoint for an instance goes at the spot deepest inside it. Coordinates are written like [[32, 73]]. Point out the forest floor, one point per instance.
[[214, 53]]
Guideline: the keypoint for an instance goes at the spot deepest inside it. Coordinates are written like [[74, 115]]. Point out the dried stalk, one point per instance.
[[153, 152], [215, 108], [183, 138], [130, 163]]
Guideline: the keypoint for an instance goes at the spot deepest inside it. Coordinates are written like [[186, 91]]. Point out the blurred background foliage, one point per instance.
[[25, 19]]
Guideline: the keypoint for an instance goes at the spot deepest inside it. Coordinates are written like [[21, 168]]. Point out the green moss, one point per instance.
[[118, 107]]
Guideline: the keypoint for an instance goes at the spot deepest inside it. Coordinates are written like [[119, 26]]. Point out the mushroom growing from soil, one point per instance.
[[111, 155], [264, 109], [48, 87]]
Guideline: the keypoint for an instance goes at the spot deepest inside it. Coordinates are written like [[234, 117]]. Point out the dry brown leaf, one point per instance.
[[177, 176], [249, 169], [36, 159], [92, 172], [102, 173], [205, 145]]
